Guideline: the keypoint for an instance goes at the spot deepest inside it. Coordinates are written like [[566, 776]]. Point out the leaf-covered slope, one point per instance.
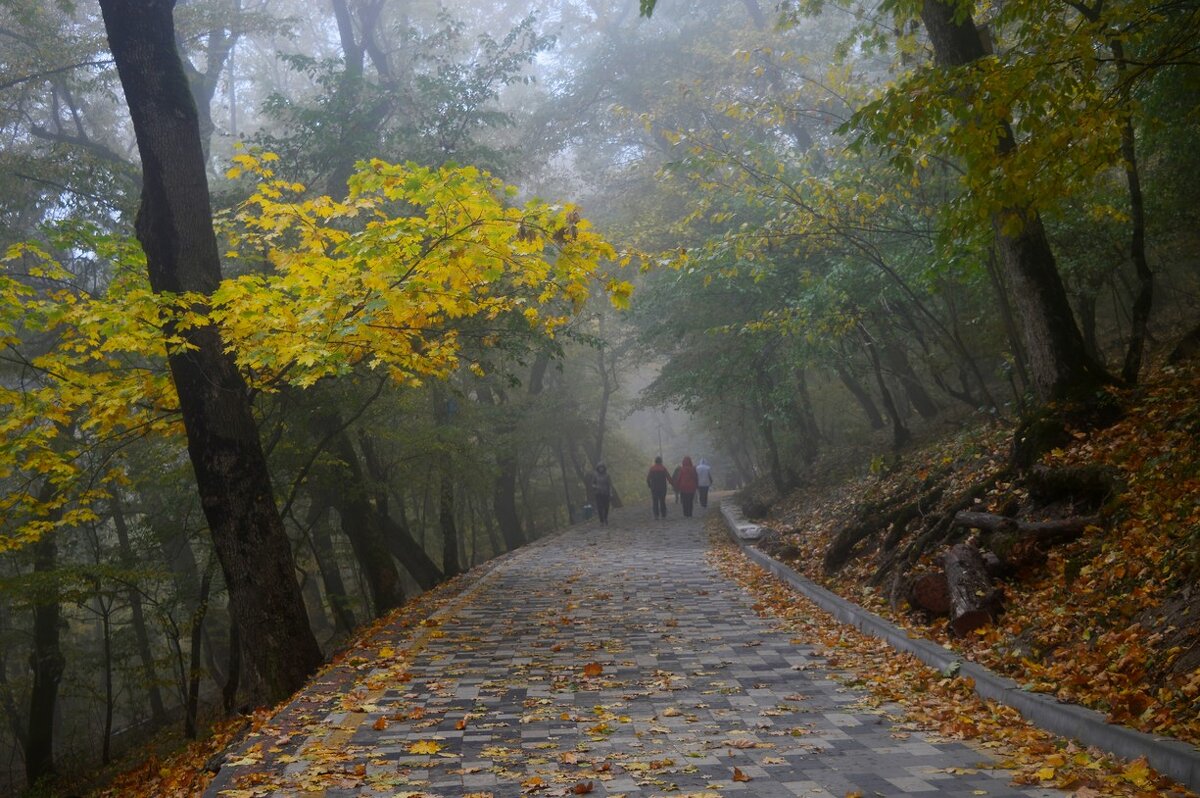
[[1111, 620]]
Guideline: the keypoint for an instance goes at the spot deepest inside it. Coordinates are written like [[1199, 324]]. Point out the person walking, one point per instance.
[[675, 483], [657, 480], [686, 484], [704, 481], [602, 492]]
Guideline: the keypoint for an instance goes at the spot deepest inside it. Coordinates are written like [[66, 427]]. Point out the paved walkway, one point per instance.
[[611, 662]]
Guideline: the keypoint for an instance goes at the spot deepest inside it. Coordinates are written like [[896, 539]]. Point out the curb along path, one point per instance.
[[605, 661], [1170, 757]]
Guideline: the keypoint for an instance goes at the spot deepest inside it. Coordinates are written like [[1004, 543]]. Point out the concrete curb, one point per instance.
[[1168, 756]]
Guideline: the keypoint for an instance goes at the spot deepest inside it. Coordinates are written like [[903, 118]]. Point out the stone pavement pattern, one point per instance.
[[502, 696]]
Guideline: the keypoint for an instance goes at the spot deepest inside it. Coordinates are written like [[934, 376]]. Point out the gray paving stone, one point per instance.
[[693, 684]]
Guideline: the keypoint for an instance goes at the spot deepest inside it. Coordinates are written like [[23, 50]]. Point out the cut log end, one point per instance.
[[969, 621], [930, 592]]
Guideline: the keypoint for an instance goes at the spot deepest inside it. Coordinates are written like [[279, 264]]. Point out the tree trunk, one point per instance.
[[331, 575], [562, 467], [192, 705], [450, 563], [900, 433], [1137, 234], [158, 712], [898, 362], [974, 603], [104, 607], [47, 662], [861, 396], [411, 554], [1011, 329], [229, 690], [806, 421], [1058, 361], [346, 491], [504, 499], [174, 226]]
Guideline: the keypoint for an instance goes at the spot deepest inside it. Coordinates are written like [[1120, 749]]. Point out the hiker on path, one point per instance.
[[704, 481], [675, 483], [657, 480], [686, 483], [602, 492]]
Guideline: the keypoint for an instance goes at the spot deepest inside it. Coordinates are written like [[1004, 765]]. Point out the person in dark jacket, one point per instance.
[[602, 492], [686, 484], [657, 479]]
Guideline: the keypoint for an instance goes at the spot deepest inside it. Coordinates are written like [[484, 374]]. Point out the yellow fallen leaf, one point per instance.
[[424, 747]]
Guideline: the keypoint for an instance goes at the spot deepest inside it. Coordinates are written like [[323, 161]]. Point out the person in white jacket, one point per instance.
[[704, 481]]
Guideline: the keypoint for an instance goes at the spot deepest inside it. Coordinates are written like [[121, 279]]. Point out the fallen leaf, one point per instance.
[[582, 788], [593, 669], [424, 747], [738, 775]]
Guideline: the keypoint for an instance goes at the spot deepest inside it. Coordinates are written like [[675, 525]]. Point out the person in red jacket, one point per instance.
[[686, 483], [657, 480]]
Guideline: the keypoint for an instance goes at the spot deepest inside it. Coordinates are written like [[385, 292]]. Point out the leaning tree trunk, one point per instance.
[[1058, 360], [900, 433], [346, 491], [174, 226], [861, 396]]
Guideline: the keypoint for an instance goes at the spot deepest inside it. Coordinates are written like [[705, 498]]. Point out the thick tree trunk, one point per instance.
[[1058, 361], [974, 602], [175, 228], [47, 662]]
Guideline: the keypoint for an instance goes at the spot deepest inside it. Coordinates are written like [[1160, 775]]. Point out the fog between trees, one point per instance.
[[843, 225]]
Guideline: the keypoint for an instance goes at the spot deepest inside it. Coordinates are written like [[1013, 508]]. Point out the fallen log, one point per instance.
[[1062, 530], [974, 601]]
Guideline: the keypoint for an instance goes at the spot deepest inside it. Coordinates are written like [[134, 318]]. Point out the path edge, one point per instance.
[[1170, 757]]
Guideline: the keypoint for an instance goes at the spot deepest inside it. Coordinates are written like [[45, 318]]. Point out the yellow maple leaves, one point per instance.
[[424, 747], [381, 279]]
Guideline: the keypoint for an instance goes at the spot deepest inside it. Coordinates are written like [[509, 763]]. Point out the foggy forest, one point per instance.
[[309, 308]]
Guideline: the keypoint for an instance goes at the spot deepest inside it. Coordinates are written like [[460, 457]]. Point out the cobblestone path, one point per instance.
[[612, 662]]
